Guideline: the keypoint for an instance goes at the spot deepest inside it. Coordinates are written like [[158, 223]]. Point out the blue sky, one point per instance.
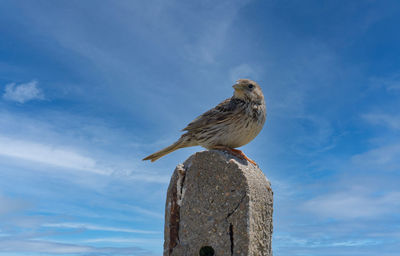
[[88, 88]]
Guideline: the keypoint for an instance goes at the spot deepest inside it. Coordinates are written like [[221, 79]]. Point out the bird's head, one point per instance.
[[247, 89]]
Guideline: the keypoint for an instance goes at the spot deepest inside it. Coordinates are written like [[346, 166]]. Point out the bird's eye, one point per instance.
[[250, 86]]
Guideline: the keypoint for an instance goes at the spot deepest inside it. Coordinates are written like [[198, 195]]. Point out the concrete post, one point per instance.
[[218, 205]]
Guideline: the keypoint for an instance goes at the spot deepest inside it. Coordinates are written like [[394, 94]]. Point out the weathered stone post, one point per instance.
[[218, 205]]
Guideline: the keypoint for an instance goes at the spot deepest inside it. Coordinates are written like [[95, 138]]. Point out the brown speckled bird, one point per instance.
[[233, 123]]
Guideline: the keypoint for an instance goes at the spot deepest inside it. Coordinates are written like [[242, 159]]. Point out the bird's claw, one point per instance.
[[237, 153]]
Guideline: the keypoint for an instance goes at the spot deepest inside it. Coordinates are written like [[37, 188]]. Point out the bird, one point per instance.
[[231, 124]]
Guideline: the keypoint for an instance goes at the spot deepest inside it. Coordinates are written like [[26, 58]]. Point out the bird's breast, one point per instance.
[[242, 129]]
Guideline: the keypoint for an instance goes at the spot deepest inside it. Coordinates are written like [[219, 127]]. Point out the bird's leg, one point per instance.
[[235, 152], [241, 154]]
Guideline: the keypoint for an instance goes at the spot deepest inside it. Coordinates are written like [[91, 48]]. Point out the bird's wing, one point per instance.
[[221, 113]]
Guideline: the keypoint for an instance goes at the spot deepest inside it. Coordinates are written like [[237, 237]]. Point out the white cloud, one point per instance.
[[391, 83], [287, 240], [146, 177], [69, 159], [22, 93], [391, 121], [146, 212], [9, 205], [64, 142], [153, 241], [352, 204], [87, 226], [385, 158], [45, 154], [212, 34], [40, 246], [357, 243]]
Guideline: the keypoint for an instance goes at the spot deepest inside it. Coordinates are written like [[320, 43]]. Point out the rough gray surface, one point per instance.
[[215, 199]]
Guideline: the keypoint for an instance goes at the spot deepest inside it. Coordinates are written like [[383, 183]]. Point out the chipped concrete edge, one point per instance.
[[173, 206]]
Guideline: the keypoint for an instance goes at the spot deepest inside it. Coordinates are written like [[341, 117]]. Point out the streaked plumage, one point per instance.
[[233, 123]]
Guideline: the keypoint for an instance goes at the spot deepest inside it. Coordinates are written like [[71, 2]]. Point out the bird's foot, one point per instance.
[[236, 152]]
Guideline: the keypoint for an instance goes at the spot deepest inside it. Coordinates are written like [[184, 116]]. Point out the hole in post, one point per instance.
[[206, 251]]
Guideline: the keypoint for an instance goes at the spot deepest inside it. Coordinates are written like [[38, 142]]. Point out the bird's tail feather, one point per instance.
[[177, 145]]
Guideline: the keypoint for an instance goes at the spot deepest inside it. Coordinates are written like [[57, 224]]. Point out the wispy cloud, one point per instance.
[[40, 246], [7, 245], [70, 159], [292, 241], [391, 121], [390, 83], [125, 240], [352, 204], [24, 92], [88, 226], [46, 154], [75, 143], [212, 33], [146, 212], [384, 158], [9, 205]]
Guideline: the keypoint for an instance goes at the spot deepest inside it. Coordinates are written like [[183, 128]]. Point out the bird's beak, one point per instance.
[[237, 87]]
